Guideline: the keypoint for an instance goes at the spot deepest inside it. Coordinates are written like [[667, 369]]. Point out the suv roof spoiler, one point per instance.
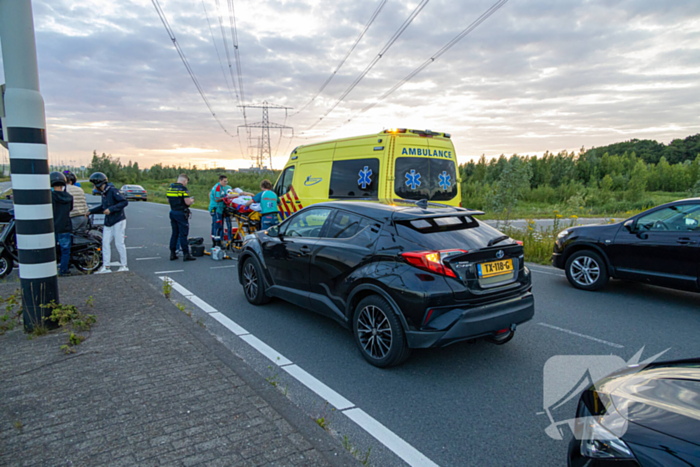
[[425, 204]]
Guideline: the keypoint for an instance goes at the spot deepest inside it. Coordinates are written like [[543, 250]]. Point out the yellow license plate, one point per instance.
[[495, 268]]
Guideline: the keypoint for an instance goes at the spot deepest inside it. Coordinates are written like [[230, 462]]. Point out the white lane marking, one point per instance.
[[180, 289], [385, 436], [266, 350], [223, 267], [134, 247], [169, 272], [232, 326], [389, 439], [202, 304], [573, 333], [318, 387], [150, 257]]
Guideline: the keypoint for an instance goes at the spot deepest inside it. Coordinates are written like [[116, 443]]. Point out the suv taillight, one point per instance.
[[432, 261]]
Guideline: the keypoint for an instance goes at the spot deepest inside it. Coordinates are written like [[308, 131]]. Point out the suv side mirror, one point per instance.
[[630, 225], [273, 231]]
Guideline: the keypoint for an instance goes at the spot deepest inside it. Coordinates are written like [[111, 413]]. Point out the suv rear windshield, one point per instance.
[[440, 233], [425, 178]]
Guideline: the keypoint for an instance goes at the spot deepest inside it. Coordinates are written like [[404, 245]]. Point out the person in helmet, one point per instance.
[[113, 204], [80, 207], [62, 203]]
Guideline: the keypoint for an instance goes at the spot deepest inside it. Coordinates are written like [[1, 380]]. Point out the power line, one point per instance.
[[496, 6], [323, 86], [221, 63], [381, 53], [234, 40], [181, 53], [228, 56]]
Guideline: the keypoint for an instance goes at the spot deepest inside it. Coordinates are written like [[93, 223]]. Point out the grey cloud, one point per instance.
[[126, 72]]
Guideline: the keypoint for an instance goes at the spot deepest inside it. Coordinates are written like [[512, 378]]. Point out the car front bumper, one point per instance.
[[558, 260], [476, 322]]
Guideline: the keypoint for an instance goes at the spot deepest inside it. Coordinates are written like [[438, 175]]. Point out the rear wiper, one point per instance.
[[493, 241]]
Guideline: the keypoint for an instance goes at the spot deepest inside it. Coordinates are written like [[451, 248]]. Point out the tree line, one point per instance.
[[597, 179], [131, 173]]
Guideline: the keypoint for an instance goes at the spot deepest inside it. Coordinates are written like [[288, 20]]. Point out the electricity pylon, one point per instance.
[[265, 125]]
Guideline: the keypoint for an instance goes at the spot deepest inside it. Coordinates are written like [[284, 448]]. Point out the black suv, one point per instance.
[[400, 275], [660, 246]]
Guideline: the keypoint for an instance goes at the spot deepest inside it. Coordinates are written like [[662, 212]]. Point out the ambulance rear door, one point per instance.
[[355, 173]]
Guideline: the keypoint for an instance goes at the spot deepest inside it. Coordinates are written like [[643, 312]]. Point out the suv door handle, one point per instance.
[[685, 241], [305, 249]]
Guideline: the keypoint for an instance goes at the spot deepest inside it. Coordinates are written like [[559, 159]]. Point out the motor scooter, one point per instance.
[[86, 247]]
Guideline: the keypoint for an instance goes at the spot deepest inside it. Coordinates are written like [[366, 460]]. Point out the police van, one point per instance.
[[396, 163]]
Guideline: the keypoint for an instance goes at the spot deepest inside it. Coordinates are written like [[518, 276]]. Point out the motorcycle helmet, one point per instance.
[[57, 178], [72, 178], [98, 179]]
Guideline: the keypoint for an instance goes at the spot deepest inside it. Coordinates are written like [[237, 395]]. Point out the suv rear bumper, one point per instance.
[[477, 322]]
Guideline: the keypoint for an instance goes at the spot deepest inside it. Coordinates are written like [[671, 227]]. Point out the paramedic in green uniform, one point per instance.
[[268, 205]]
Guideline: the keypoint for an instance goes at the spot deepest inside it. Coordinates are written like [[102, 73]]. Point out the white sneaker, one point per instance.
[[123, 269], [103, 270]]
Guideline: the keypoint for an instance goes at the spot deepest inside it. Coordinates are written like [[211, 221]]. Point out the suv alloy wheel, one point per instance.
[[378, 333], [586, 270], [253, 283]]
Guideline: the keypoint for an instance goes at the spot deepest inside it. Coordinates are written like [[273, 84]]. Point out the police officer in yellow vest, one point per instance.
[[180, 202]]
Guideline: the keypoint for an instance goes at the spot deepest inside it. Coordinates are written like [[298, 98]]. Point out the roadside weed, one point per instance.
[[73, 322], [322, 422], [363, 458], [167, 287], [10, 317]]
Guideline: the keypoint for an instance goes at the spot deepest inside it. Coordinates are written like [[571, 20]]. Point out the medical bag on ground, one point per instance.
[[195, 241], [217, 254], [197, 250]]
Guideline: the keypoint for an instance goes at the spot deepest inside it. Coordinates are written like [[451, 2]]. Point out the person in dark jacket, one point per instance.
[[113, 204], [62, 203], [180, 201]]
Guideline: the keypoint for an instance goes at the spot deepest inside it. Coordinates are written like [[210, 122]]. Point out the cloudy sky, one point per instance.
[[537, 75]]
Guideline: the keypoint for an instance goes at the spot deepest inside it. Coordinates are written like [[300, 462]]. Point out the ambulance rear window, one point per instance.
[[425, 178], [357, 178]]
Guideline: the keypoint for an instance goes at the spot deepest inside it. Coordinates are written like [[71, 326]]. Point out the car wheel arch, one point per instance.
[[588, 246], [241, 261], [365, 290]]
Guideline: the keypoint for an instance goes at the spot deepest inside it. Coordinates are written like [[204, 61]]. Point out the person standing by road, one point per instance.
[[62, 203], [80, 207], [180, 202], [268, 205], [113, 204], [216, 206]]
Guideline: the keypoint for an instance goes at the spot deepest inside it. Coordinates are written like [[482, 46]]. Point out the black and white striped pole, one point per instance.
[[29, 164]]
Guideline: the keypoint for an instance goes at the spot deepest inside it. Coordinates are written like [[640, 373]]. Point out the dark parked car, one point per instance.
[[400, 276], [639, 417], [134, 192], [660, 246]]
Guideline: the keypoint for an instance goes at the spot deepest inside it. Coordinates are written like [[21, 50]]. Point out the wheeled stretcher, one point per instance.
[[243, 221]]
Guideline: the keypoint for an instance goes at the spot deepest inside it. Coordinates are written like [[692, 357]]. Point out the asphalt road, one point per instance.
[[467, 404]]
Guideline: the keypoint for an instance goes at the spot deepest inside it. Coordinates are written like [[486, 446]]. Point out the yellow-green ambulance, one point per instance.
[[393, 164]]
